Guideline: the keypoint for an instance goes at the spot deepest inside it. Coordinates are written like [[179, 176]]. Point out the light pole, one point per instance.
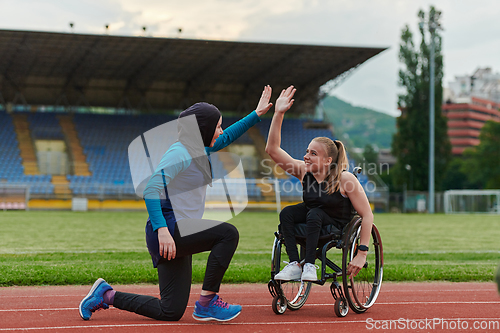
[[433, 25], [405, 193], [432, 30], [408, 167]]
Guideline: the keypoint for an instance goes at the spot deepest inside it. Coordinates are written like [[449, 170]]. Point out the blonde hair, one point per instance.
[[335, 150]]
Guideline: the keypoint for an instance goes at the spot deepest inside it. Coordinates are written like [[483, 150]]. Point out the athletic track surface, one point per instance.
[[55, 309]]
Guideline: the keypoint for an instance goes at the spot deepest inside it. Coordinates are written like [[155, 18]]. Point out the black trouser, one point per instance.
[[315, 218], [174, 276]]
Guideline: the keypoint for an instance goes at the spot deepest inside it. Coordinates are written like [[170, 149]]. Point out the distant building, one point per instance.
[[470, 101], [483, 84], [385, 157]]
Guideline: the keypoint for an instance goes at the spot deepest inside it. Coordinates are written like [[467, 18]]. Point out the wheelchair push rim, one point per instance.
[[362, 291]]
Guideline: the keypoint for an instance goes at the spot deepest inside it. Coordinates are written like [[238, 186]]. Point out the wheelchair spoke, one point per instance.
[[294, 292], [300, 293], [362, 290]]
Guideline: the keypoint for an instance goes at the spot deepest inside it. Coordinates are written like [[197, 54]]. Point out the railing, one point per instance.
[[252, 193]]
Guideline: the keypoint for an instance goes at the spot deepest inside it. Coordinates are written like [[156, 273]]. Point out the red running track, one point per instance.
[[447, 307]]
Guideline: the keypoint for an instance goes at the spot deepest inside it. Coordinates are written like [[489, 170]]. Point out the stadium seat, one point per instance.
[[105, 139]]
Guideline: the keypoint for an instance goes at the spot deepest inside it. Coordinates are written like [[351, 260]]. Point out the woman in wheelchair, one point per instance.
[[328, 193]]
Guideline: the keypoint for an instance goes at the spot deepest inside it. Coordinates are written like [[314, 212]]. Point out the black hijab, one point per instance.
[[207, 117]]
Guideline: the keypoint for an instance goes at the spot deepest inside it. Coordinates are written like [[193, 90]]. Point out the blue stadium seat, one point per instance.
[[105, 140]]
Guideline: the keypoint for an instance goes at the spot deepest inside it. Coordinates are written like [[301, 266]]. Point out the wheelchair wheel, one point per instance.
[[279, 305], [341, 307], [362, 291], [294, 292]]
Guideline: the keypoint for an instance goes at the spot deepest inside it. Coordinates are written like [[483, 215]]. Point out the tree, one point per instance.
[[482, 163], [458, 179], [370, 154], [410, 144]]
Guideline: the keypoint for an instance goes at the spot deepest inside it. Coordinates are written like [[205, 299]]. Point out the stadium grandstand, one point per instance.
[[70, 105]]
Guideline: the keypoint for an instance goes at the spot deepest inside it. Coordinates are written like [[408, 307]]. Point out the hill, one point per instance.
[[362, 125]]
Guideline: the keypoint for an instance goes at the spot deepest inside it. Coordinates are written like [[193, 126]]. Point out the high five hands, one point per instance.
[[285, 101]]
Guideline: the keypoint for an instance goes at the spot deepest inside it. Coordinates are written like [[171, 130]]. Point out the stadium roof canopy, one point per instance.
[[44, 68]]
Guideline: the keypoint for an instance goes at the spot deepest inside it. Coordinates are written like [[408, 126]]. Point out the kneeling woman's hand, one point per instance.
[[264, 104], [357, 263], [167, 243]]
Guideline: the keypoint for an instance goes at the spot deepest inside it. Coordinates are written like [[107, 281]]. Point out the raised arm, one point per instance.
[[273, 146], [237, 129]]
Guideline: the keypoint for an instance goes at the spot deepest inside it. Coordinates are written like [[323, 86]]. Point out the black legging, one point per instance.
[[174, 276], [315, 219]]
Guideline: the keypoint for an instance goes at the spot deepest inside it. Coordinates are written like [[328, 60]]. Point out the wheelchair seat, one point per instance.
[[328, 232]]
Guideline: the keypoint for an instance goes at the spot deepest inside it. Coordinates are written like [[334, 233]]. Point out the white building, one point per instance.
[[483, 84], [469, 102]]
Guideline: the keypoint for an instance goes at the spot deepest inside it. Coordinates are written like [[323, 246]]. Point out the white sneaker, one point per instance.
[[292, 271], [309, 272]]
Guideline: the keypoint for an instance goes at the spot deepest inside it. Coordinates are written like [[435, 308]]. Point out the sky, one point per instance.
[[471, 38]]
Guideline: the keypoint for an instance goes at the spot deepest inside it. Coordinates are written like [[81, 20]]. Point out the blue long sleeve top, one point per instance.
[[184, 181]]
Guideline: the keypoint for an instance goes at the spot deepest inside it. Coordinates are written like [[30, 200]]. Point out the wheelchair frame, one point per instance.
[[358, 293]]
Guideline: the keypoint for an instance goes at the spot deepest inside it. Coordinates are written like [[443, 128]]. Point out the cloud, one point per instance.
[[218, 19], [88, 16], [471, 37]]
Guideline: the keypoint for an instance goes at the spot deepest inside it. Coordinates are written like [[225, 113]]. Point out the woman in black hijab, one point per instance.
[[175, 230]]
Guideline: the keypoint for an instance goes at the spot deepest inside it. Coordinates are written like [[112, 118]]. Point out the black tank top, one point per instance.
[[335, 205]]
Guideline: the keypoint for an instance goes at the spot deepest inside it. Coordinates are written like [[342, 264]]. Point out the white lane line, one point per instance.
[[442, 302], [488, 289], [147, 294], [33, 310], [267, 293], [182, 324], [143, 250], [39, 296], [333, 321], [266, 305]]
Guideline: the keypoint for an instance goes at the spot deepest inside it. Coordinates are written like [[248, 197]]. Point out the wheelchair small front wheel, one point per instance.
[[341, 307], [279, 304]]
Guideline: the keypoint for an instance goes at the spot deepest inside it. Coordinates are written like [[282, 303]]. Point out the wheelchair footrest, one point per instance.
[[336, 290], [274, 289]]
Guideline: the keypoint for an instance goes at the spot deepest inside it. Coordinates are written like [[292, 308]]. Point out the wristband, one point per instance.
[[362, 248]]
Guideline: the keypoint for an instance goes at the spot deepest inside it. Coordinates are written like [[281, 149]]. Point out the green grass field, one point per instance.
[[58, 248]]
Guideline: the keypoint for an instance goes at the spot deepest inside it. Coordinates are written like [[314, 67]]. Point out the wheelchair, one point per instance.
[[358, 293]]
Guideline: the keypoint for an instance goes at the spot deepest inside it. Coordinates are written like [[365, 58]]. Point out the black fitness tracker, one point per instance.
[[362, 248]]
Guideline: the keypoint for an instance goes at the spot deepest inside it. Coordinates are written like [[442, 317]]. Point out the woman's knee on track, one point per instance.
[[231, 234], [171, 315], [171, 310]]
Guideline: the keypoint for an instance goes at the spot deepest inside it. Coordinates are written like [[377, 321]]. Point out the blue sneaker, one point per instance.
[[216, 310], [94, 301]]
